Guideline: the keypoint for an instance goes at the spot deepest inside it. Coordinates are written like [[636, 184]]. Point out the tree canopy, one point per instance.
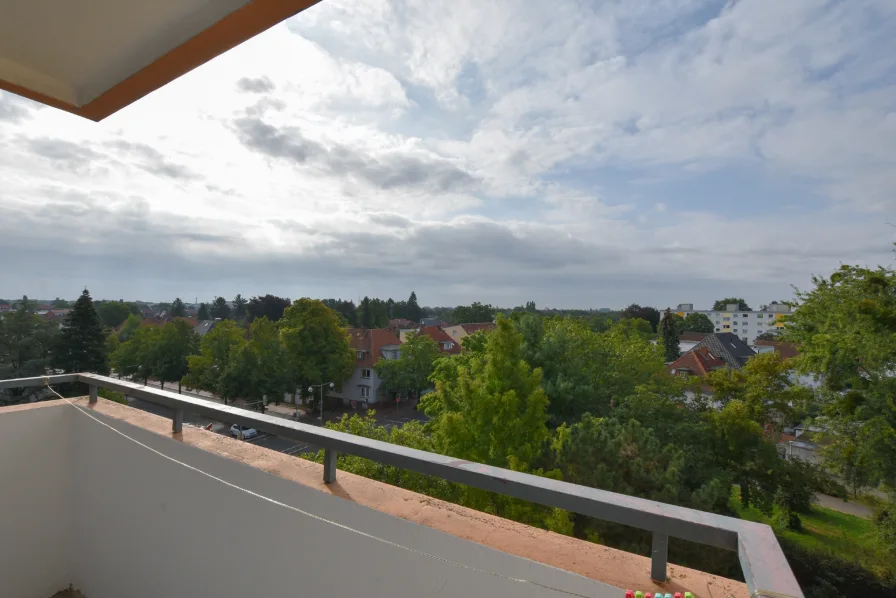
[[26, 342], [696, 322], [178, 309], [113, 313], [722, 304], [219, 309], [82, 343], [669, 333], [476, 312], [409, 373], [650, 314], [269, 306]]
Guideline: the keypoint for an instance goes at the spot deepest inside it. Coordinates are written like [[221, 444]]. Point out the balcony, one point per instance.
[[116, 502]]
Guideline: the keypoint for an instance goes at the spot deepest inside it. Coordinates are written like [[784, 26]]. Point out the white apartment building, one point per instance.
[[745, 324]]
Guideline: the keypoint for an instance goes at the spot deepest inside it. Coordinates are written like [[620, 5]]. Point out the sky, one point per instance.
[[577, 154]]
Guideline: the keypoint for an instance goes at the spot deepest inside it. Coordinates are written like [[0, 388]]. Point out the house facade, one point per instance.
[[459, 331], [362, 388]]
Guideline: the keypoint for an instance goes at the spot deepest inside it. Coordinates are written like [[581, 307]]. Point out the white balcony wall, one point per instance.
[[118, 521]]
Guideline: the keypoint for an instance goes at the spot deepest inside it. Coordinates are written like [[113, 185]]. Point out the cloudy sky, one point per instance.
[[579, 154]]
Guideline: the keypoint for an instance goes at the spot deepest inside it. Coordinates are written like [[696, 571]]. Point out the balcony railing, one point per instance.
[[764, 565]]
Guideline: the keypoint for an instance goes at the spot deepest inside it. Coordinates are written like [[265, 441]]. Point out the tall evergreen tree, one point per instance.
[[414, 312], [178, 309], [670, 334], [219, 308], [82, 343], [239, 307], [203, 314]]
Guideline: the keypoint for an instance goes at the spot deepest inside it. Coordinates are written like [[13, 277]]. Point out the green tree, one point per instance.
[[698, 323], [414, 312], [215, 348], [365, 316], [129, 327], [60, 303], [219, 309], [178, 309], [846, 329], [133, 358], [722, 304], [764, 385], [203, 313], [239, 307], [258, 369], [269, 306], [82, 342], [317, 345], [411, 371], [633, 327], [113, 313], [650, 314], [669, 333], [477, 312], [169, 350], [26, 342]]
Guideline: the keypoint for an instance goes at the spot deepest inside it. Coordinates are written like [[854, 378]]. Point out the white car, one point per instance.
[[248, 433]]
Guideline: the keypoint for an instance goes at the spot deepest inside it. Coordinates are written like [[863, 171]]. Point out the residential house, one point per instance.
[[689, 340], [4, 307], [443, 340], [203, 327], [715, 351], [362, 389], [459, 331]]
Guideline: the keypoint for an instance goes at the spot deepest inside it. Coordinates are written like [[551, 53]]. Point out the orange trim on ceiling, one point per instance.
[[232, 30]]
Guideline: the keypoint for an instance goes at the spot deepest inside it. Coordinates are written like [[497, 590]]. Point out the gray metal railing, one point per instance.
[[765, 568]]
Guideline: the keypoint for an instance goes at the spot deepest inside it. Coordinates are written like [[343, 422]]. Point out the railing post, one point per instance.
[[93, 393], [329, 465], [177, 421], [659, 556]]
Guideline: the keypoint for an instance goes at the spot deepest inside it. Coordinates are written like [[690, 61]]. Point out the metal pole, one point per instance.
[[659, 556], [321, 405]]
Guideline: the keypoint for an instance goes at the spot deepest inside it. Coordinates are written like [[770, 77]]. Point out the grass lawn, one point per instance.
[[847, 536]]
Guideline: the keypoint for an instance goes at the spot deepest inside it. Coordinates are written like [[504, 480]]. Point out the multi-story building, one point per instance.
[[370, 345], [746, 325]]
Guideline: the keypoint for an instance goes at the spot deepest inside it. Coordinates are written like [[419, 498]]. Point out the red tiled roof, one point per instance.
[[440, 336], [371, 342], [692, 336], [699, 361], [785, 350]]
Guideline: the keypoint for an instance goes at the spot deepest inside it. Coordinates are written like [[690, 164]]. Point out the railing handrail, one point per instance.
[[764, 565]]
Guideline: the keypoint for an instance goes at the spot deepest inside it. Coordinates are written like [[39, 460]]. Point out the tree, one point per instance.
[[169, 351], [269, 306], [722, 304], [257, 369], [205, 369], [669, 333], [317, 345], [846, 329], [650, 314], [365, 317], [26, 342], [178, 309], [696, 322], [346, 309], [203, 313], [82, 342], [219, 309], [129, 327], [60, 303], [477, 312], [133, 358], [239, 307], [633, 327], [113, 313], [411, 371], [414, 312], [769, 335]]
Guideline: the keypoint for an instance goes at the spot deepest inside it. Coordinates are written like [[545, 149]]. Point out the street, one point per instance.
[[388, 417]]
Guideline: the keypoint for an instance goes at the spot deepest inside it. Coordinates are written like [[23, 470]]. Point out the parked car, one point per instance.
[[247, 432]]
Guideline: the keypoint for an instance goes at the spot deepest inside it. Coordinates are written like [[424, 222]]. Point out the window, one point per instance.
[[758, 315], [735, 329], [365, 392], [761, 331], [365, 373], [745, 315], [726, 326], [360, 354], [718, 329], [726, 319]]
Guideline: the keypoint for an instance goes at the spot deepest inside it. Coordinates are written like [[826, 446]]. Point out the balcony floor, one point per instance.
[[428, 525]]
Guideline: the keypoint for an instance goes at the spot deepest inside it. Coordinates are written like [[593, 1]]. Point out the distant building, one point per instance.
[[747, 325], [203, 327], [443, 340], [459, 331], [4, 307], [362, 389]]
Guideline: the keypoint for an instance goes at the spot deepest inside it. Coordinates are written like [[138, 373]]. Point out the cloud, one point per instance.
[[65, 153], [386, 170], [255, 85], [13, 108], [151, 160]]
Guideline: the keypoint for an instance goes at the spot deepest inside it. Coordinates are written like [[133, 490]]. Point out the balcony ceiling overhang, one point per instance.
[[94, 57]]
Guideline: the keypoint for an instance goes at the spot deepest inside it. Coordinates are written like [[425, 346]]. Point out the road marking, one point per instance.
[[295, 449], [392, 421]]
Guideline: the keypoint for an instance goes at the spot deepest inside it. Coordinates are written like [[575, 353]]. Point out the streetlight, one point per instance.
[[321, 386]]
